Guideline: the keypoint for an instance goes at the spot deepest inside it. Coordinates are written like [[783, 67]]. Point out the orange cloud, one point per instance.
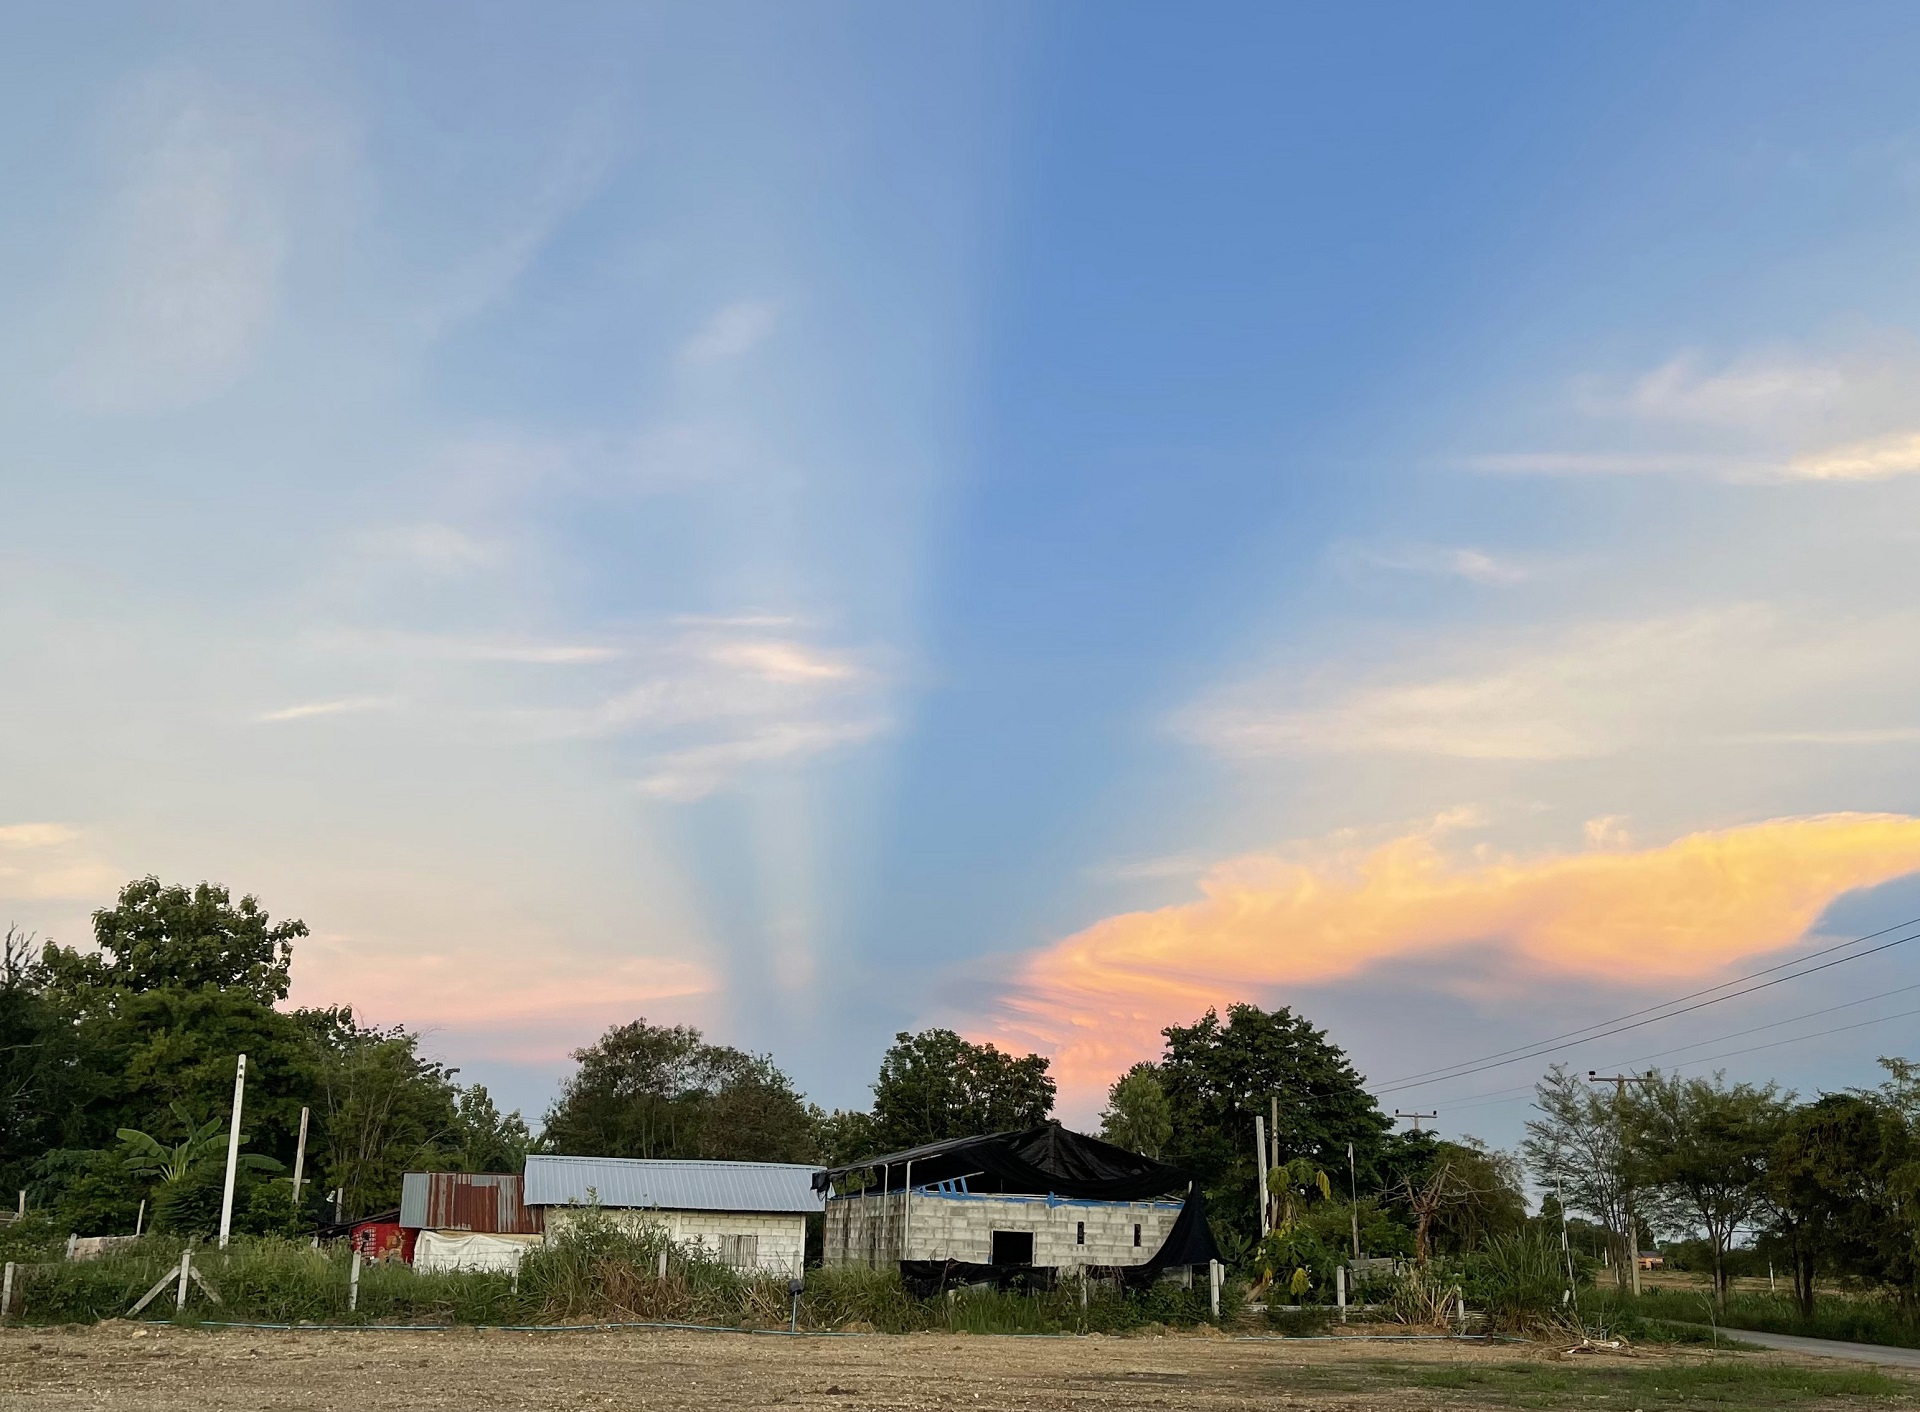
[[1097, 1000]]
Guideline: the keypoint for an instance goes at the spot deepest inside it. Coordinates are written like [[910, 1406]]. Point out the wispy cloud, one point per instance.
[[40, 861], [686, 775], [1318, 914], [1734, 674], [739, 328], [1897, 455], [1474, 565], [195, 242], [345, 706], [1755, 391], [438, 549]]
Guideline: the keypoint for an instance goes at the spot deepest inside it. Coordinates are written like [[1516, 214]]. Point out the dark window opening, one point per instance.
[[1079, 1232], [1012, 1248], [1136, 1235]]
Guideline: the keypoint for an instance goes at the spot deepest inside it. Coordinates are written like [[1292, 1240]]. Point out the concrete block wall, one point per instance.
[[877, 1230], [782, 1239]]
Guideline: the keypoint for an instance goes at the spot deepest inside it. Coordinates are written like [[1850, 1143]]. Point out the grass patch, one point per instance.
[[1710, 1384], [1850, 1318]]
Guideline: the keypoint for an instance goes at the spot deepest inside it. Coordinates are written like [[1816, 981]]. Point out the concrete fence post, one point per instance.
[[1213, 1286], [1340, 1290], [353, 1282], [180, 1291], [6, 1293]]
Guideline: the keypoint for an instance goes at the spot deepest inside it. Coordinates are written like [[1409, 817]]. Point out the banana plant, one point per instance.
[[147, 1156]]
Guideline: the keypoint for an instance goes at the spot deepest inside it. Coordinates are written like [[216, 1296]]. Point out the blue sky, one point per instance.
[[820, 520]]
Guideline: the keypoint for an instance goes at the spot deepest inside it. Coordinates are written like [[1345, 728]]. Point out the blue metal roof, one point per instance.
[[671, 1184]]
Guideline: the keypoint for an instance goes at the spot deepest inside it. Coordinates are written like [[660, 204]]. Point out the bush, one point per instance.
[[1520, 1281]]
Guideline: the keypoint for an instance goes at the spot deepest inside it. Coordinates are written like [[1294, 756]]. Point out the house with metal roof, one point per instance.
[[751, 1215]]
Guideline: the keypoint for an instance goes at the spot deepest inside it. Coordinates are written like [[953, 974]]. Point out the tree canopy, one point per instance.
[[935, 1085]]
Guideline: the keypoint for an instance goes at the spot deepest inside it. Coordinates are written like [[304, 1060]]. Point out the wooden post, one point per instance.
[[233, 1150], [6, 1293], [353, 1282], [1340, 1290], [1260, 1168], [299, 1163], [180, 1292]]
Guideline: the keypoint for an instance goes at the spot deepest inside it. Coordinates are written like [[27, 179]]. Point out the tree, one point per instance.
[[159, 937], [1218, 1076], [844, 1136], [387, 1110], [46, 1081], [1138, 1115], [935, 1085], [1486, 1197], [1576, 1148], [482, 1139], [662, 1091], [1822, 1184], [1705, 1146]]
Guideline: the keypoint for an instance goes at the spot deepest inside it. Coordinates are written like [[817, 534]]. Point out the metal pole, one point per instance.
[[1260, 1168], [299, 1162], [1353, 1199], [233, 1150]]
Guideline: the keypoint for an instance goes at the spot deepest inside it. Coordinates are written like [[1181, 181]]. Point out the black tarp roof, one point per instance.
[[1041, 1161]]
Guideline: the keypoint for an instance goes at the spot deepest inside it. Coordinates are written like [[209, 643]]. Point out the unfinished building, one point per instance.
[[1043, 1201]]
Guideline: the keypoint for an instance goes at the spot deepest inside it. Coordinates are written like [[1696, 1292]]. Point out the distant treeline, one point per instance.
[[116, 1076]]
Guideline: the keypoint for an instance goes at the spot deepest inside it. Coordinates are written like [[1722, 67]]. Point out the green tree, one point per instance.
[[160, 937], [662, 1091], [1138, 1115], [1577, 1147], [935, 1085], [46, 1080], [844, 1136], [1705, 1146], [1823, 1185], [388, 1110], [1217, 1075], [482, 1139], [1487, 1199]]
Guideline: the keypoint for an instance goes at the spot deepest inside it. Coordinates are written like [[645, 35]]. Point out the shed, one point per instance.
[[751, 1215], [1003, 1205], [467, 1220]]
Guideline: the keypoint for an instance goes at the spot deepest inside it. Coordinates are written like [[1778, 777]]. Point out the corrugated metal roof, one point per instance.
[[484, 1202], [671, 1184]]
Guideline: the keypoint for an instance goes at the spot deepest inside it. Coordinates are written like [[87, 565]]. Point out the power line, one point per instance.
[[1507, 1094], [1544, 1047], [1737, 1034]]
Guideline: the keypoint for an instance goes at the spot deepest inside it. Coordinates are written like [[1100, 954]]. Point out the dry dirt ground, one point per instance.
[[117, 1366]]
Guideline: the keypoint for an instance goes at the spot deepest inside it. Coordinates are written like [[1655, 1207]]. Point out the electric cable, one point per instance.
[[1574, 1036]]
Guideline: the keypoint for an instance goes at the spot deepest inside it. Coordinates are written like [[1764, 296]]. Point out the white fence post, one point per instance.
[[1213, 1286], [353, 1282], [1340, 1290], [6, 1293], [186, 1264]]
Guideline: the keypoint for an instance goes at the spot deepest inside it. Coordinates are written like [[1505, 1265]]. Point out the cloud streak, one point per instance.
[[1318, 915]]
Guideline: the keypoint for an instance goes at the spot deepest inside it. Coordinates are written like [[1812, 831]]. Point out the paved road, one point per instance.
[[1879, 1353]]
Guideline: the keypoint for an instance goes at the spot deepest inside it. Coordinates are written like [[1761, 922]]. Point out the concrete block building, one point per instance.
[[751, 1215], [1041, 1200]]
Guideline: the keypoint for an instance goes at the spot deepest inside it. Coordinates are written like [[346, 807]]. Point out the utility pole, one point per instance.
[[1416, 1117], [299, 1163], [1353, 1199], [233, 1157], [1620, 1082]]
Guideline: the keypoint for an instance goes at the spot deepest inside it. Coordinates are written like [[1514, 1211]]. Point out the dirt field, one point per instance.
[[117, 1366]]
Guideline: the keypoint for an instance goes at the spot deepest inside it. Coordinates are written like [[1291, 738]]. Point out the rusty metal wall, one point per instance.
[[483, 1202]]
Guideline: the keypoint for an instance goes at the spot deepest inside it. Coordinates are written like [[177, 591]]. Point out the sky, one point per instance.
[[819, 520]]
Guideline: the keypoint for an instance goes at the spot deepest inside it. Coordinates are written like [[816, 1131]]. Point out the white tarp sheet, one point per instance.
[[464, 1250]]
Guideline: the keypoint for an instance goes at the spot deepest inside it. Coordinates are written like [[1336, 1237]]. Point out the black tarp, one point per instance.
[[1047, 1160], [1190, 1242]]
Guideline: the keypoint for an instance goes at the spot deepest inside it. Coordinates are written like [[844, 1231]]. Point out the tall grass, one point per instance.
[[1855, 1318], [596, 1271]]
